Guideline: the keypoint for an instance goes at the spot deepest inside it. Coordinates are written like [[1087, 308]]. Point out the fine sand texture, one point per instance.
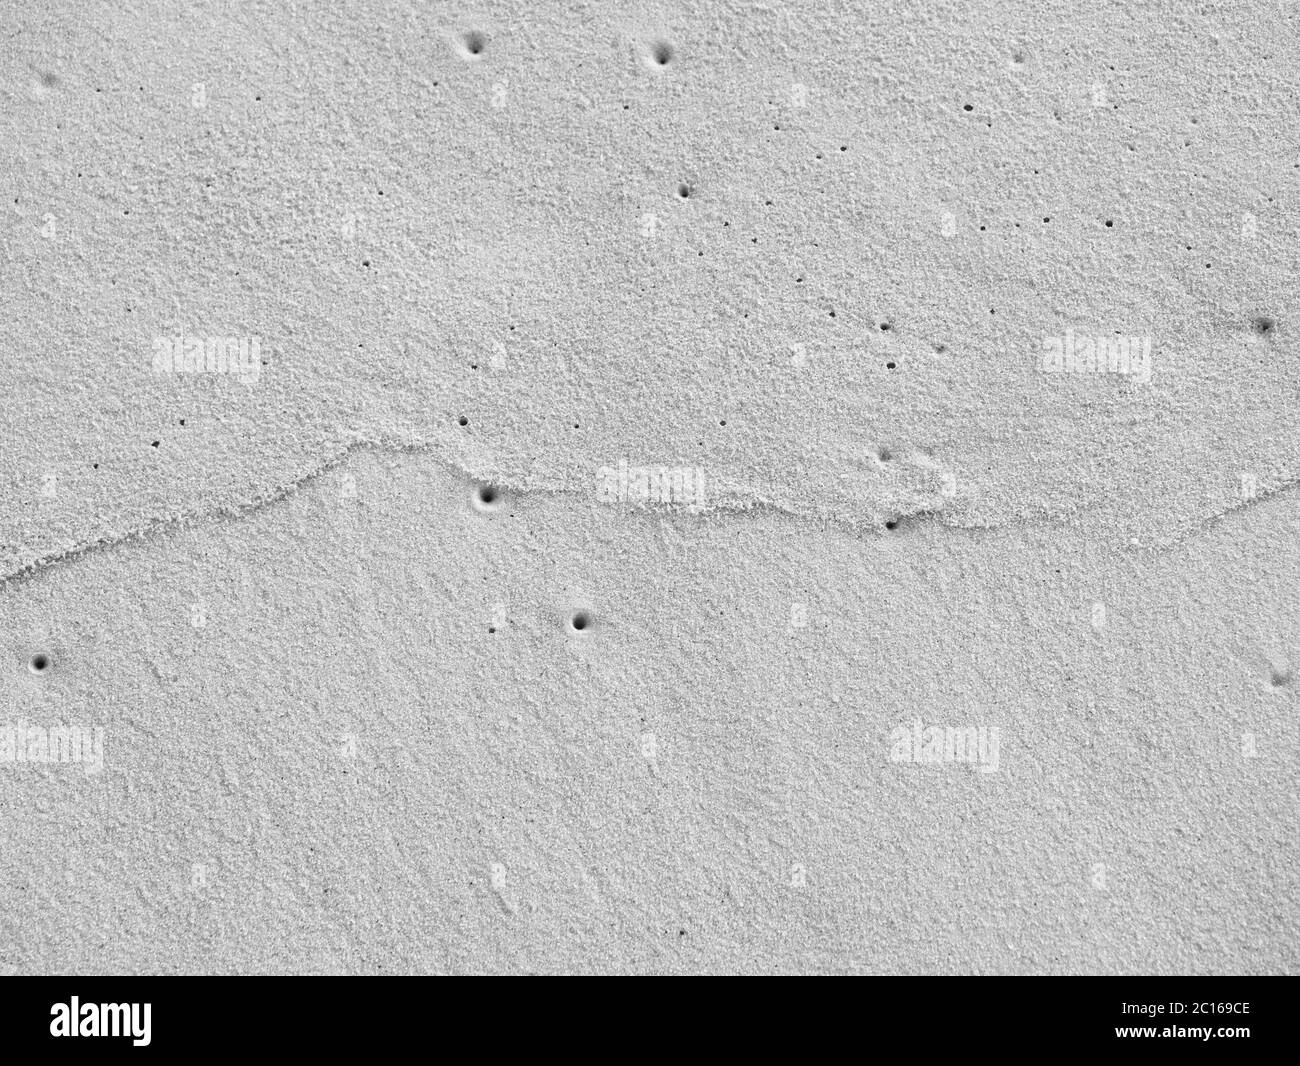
[[692, 487]]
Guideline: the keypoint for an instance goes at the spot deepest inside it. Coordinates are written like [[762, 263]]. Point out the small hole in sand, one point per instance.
[[39, 664], [892, 524], [662, 54], [684, 191], [462, 420], [1264, 325], [474, 43], [581, 620], [487, 498]]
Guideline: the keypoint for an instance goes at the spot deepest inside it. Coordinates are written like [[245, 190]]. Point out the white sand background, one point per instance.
[[348, 725]]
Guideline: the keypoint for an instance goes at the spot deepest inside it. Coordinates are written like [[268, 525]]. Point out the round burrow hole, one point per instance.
[[891, 523], [661, 54], [1264, 325], [581, 621], [39, 663], [473, 44], [684, 191], [487, 497]]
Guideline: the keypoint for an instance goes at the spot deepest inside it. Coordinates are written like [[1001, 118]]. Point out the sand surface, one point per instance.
[[641, 492]]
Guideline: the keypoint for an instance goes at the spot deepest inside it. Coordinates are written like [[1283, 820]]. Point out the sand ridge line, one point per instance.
[[232, 512], [732, 503], [1215, 518], [175, 523]]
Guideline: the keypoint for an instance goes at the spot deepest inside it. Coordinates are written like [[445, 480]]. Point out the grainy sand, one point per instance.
[[656, 510]]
